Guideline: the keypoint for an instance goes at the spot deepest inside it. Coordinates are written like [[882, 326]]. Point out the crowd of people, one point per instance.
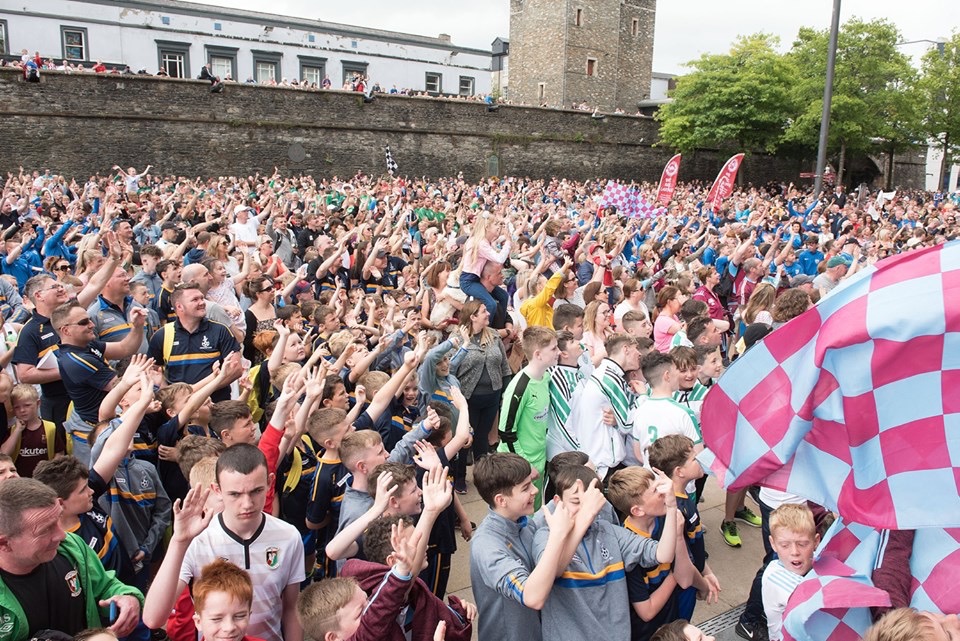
[[32, 65], [245, 407]]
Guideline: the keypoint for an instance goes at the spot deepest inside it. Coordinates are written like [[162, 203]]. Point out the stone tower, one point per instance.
[[573, 51]]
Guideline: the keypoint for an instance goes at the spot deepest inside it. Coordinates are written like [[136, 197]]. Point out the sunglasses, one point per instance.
[[62, 268], [82, 323]]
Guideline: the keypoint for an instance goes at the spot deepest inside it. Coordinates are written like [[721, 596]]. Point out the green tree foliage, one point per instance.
[[756, 98], [736, 101], [875, 103], [939, 87]]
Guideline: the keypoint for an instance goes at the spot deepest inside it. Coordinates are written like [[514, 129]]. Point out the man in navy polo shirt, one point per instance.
[[38, 339], [82, 359], [110, 311], [196, 344]]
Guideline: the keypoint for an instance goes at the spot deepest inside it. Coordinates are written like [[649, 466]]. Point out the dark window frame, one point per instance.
[[63, 42], [426, 82], [211, 51], [350, 67], [313, 62], [267, 57], [174, 47]]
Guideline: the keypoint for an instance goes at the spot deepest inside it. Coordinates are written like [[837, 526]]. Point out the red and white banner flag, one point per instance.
[[723, 186], [668, 180]]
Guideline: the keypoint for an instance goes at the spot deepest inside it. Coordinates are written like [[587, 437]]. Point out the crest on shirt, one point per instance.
[[97, 516], [273, 557], [73, 583], [145, 482], [604, 553], [205, 343], [6, 624]]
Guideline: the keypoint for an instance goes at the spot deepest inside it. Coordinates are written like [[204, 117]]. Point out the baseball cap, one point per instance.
[[265, 239], [301, 288], [836, 261], [239, 208], [800, 279]]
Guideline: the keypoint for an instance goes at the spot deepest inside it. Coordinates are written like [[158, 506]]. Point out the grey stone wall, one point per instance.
[[82, 124], [548, 44]]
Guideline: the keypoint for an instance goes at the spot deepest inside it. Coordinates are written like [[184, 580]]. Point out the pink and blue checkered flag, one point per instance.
[[854, 403], [834, 600], [616, 195]]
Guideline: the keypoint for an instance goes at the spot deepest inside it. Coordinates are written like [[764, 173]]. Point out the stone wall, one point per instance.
[[82, 124], [551, 41]]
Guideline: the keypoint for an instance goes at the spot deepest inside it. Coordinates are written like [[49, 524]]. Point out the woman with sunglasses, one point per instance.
[[62, 272], [260, 316]]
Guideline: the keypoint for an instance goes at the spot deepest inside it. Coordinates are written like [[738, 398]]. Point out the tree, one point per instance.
[[939, 88], [874, 104], [739, 101]]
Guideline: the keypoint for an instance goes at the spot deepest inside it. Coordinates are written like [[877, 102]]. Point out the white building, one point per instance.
[[181, 37]]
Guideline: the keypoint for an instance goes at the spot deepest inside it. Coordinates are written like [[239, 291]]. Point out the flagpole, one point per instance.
[[827, 99]]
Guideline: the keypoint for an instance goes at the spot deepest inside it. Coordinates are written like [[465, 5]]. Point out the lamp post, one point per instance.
[[827, 99]]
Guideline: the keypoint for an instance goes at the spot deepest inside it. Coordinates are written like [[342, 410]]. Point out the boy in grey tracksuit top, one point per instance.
[[501, 558], [589, 599], [508, 587], [355, 503]]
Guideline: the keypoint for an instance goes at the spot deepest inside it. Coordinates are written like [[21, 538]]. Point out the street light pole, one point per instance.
[[827, 98]]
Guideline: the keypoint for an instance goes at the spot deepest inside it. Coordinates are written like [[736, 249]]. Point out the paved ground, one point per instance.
[[734, 567]]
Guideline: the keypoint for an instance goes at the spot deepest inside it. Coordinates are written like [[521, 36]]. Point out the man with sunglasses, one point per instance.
[[82, 359], [38, 339]]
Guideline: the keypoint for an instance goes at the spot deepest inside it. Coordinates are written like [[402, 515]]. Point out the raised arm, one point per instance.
[[132, 341], [117, 445], [344, 544], [190, 517], [99, 279]]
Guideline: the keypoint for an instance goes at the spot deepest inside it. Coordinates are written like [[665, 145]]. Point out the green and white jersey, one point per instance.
[[565, 381], [654, 418], [692, 398], [605, 388]]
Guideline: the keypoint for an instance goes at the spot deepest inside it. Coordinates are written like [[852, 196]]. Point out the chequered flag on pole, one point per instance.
[[628, 201], [391, 163]]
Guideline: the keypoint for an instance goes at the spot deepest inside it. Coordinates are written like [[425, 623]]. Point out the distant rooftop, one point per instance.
[[275, 20]]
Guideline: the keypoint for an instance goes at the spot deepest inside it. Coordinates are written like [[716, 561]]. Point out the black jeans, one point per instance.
[[753, 612], [483, 410]]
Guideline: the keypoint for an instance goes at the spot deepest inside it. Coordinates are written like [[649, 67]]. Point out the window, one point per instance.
[[74, 41], [541, 92], [634, 27], [353, 44], [165, 19], [174, 58], [222, 67], [266, 65], [311, 37], [312, 69], [434, 82], [217, 26], [591, 67], [466, 85], [266, 71], [578, 18], [352, 68], [223, 61], [3, 38]]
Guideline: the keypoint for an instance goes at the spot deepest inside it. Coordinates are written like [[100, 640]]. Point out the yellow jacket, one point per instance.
[[538, 310]]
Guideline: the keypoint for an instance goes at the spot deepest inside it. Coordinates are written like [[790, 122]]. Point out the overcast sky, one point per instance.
[[685, 28]]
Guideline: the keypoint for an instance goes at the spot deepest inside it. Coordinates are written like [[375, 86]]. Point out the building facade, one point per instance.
[[180, 37], [568, 52]]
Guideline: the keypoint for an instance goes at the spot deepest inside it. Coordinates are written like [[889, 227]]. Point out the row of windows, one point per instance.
[[174, 59], [578, 21]]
